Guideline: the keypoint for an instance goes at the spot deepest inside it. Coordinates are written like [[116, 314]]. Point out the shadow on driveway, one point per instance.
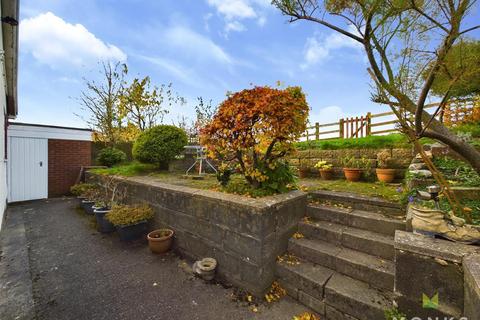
[[70, 271]]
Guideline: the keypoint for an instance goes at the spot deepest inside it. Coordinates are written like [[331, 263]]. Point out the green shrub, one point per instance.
[[159, 145], [111, 156], [124, 215], [81, 189], [470, 128], [394, 314]]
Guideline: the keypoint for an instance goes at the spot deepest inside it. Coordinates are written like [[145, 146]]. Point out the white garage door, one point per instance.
[[27, 168]]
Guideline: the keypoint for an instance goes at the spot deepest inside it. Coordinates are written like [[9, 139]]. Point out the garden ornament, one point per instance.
[[205, 268], [434, 222]]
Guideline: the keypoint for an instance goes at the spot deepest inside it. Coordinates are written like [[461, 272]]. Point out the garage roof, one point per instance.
[[30, 130]]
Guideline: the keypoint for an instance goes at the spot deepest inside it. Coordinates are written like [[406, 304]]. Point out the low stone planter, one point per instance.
[[244, 235], [429, 266]]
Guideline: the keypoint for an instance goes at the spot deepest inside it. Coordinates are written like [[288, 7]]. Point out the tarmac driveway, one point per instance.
[[55, 265]]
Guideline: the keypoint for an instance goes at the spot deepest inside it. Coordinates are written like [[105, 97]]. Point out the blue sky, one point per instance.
[[204, 47]]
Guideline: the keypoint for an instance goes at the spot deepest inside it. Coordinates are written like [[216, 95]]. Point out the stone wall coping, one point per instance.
[[471, 267], [435, 248], [260, 204]]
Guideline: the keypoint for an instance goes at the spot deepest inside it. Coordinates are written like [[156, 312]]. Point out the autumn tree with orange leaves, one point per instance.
[[255, 129]]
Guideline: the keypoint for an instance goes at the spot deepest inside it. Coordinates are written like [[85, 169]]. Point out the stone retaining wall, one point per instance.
[[245, 235], [433, 266], [401, 158]]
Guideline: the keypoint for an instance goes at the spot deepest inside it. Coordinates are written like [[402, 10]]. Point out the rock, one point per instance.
[[428, 153], [421, 173], [417, 166]]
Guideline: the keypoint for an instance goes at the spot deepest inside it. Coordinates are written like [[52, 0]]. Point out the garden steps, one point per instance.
[[332, 294], [345, 266], [359, 219], [374, 270], [359, 202], [357, 239]]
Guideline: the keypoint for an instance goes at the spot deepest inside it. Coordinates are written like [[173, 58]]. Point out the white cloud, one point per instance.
[[55, 42], [318, 49], [235, 10], [195, 44], [327, 115], [234, 26]]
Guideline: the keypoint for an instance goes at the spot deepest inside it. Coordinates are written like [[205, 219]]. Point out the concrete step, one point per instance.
[[361, 240], [359, 202], [357, 219], [375, 271], [331, 294], [355, 298]]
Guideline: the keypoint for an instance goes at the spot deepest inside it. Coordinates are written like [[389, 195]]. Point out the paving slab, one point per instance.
[[74, 272]]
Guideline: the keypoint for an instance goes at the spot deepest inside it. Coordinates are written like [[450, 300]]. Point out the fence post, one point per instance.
[[341, 128], [369, 124], [317, 131]]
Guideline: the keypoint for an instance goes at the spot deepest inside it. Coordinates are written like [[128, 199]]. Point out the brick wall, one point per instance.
[[65, 157]]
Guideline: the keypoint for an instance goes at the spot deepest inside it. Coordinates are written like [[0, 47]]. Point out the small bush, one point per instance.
[[111, 156], [159, 145], [81, 189], [123, 215]]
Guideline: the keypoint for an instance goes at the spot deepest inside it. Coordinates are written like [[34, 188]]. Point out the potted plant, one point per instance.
[[160, 241], [303, 171], [90, 196], [130, 220], [79, 189], [384, 174], [109, 197], [325, 169], [353, 167]]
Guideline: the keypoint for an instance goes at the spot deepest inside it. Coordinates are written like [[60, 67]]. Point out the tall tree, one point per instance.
[[144, 105], [401, 39], [462, 63], [100, 99]]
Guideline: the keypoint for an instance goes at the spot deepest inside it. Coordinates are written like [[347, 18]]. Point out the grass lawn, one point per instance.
[[394, 140], [373, 189]]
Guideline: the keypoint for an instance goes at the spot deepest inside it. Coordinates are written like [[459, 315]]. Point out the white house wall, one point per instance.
[[3, 106]]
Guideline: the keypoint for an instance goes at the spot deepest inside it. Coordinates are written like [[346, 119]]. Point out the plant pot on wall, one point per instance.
[[326, 174], [132, 231], [352, 174], [385, 175], [303, 173], [103, 225], [160, 240]]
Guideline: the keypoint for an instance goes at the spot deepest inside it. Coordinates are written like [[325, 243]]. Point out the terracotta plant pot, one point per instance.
[[352, 174], [385, 175], [160, 240], [303, 173], [326, 174]]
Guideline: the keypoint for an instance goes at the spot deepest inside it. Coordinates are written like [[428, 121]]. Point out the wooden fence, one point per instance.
[[377, 124]]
